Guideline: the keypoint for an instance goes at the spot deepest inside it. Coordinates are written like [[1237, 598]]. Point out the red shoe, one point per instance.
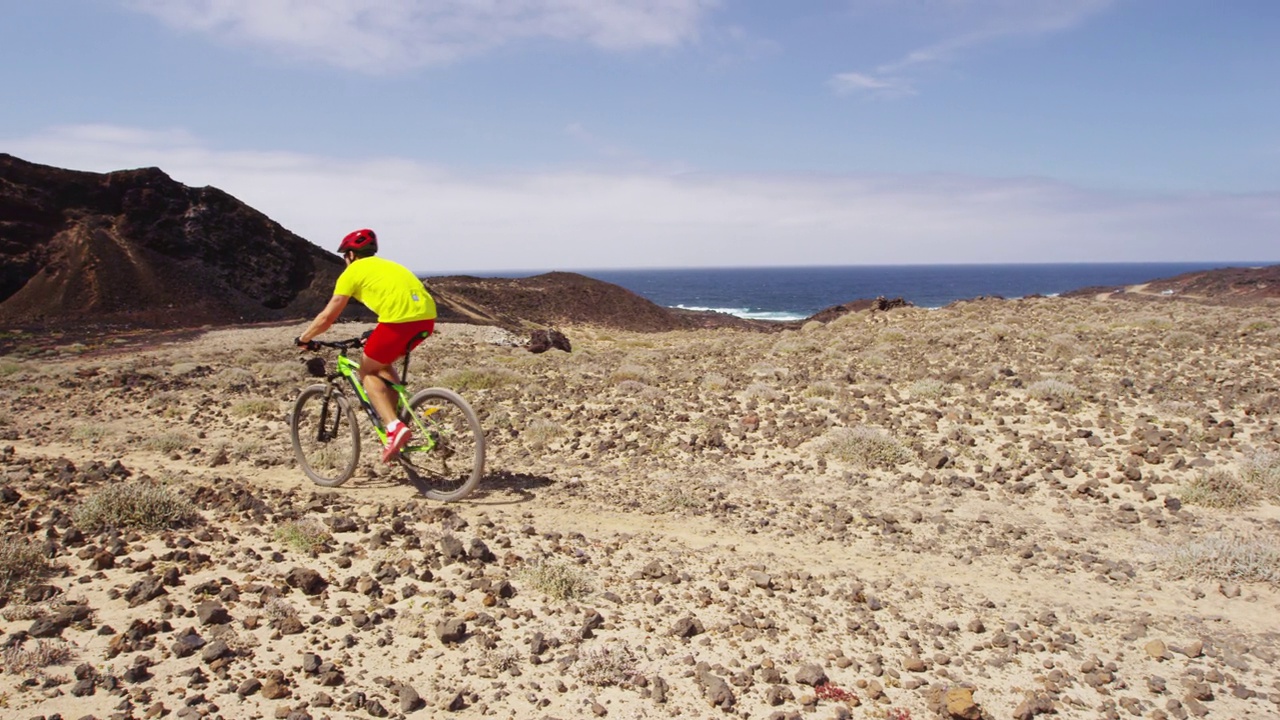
[[397, 438]]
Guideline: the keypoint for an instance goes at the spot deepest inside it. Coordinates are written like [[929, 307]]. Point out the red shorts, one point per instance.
[[391, 340]]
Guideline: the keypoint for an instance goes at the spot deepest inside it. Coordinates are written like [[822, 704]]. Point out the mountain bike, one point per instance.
[[446, 451]]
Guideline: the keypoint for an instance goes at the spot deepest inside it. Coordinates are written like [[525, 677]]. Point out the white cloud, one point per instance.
[[438, 220], [380, 35], [849, 82], [969, 24]]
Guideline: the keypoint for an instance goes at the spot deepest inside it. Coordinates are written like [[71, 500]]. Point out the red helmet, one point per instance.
[[359, 240]]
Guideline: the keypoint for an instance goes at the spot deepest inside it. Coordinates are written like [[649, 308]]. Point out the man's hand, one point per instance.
[[311, 345]]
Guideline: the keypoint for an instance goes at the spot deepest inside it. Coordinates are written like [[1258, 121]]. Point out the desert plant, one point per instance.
[[607, 665], [1218, 489], [629, 372], [1224, 556], [26, 660], [1262, 470], [168, 442], [556, 579], [480, 378], [139, 504], [714, 381], [864, 447], [541, 431], [1184, 340], [256, 407], [90, 432], [759, 391], [20, 562], [307, 535], [927, 389], [1051, 389]]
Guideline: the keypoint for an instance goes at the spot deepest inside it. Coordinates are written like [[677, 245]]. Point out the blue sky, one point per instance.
[[576, 134]]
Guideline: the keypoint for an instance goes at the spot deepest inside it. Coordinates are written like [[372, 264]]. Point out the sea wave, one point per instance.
[[748, 313]]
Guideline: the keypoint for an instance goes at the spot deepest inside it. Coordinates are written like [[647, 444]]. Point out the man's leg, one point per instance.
[[375, 377]]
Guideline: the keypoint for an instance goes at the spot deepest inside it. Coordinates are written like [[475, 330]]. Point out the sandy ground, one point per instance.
[[997, 509]]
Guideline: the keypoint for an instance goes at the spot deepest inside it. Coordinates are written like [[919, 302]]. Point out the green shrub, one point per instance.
[[556, 579], [864, 447], [139, 504]]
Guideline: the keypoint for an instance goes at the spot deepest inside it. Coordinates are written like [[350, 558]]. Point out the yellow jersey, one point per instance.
[[388, 289]]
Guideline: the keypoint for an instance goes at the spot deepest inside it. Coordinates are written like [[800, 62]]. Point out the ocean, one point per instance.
[[794, 293]]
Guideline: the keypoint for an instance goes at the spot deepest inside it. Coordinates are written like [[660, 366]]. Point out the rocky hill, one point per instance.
[[564, 298], [135, 246], [1225, 286]]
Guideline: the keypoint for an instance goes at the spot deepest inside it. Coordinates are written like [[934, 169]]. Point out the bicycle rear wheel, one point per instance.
[[446, 452], [326, 439]]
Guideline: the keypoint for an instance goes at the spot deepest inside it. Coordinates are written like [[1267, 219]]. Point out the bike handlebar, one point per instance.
[[349, 344]]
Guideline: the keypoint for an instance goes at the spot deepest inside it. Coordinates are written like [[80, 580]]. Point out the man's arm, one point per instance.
[[327, 317]]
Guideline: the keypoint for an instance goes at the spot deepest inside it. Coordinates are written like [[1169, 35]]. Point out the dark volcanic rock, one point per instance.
[[136, 246]]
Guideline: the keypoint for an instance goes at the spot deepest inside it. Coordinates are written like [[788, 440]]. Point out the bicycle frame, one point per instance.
[[350, 369]]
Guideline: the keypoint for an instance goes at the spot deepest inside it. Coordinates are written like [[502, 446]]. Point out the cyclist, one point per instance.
[[406, 316]]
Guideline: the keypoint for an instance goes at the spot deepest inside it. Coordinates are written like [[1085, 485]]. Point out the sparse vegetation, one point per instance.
[[865, 447], [1053, 389], [139, 504], [32, 658], [1224, 556], [170, 441], [480, 378], [613, 664], [256, 407], [1218, 489], [541, 431], [20, 563], [307, 535], [1262, 470], [556, 579]]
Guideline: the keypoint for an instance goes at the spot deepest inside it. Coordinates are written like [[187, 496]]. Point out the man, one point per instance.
[[406, 316]]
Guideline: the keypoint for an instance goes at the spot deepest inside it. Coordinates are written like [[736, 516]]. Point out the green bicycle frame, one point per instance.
[[424, 440]]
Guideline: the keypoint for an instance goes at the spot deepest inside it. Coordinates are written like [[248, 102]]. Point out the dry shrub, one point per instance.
[[541, 431], [27, 660], [20, 563], [169, 442], [863, 446], [630, 372], [307, 535], [556, 579], [481, 378], [1218, 489], [1262, 470], [1247, 557], [256, 407], [714, 381], [1184, 340], [607, 665], [1051, 389], [143, 505], [927, 389]]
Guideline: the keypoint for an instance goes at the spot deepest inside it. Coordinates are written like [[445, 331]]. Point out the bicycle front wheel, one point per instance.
[[326, 439], [446, 451]]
